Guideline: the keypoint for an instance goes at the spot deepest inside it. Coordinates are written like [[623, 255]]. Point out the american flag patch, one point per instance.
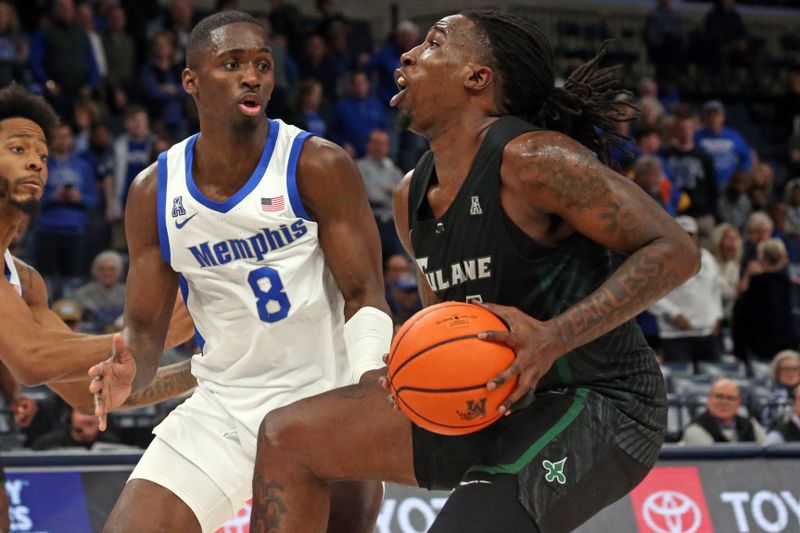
[[272, 204]]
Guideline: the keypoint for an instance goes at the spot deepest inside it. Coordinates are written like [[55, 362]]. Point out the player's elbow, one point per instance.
[[687, 257]]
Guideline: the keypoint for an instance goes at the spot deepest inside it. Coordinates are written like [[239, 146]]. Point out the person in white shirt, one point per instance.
[[689, 317], [381, 176]]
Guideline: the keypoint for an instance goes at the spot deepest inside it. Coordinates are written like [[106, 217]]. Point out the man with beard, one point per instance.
[[268, 232], [512, 176], [36, 345]]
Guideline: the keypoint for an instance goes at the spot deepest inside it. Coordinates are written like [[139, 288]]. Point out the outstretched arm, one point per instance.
[[550, 173], [170, 380], [332, 192]]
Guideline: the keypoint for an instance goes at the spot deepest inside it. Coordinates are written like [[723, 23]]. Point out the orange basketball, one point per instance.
[[438, 368]]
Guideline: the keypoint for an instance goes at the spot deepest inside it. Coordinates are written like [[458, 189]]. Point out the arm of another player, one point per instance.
[[170, 380], [332, 192], [551, 173], [149, 300], [400, 207], [35, 354]]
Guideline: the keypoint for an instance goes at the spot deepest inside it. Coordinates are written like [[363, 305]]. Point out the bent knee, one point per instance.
[[281, 429]]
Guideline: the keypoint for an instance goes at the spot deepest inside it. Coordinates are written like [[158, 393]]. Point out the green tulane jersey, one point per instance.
[[474, 251]]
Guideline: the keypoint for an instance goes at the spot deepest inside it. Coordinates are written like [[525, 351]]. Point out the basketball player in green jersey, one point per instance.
[[515, 175]]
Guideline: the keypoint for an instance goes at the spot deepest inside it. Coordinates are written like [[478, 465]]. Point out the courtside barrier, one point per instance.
[[698, 489]]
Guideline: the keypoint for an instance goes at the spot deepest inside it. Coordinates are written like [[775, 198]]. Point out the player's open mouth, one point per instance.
[[400, 80], [250, 105]]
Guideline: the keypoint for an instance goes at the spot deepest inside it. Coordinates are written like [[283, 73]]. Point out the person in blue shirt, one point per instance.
[[357, 115], [728, 149], [133, 152], [387, 58], [71, 191]]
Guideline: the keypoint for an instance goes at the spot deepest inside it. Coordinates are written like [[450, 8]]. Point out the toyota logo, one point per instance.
[[668, 511]]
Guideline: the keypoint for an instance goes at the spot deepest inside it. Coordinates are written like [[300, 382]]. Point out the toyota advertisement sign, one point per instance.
[[723, 495]]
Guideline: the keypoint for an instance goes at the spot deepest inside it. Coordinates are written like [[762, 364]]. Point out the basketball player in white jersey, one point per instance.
[[269, 235], [35, 345]]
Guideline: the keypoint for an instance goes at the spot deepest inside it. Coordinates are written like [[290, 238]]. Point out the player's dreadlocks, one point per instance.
[[586, 108]]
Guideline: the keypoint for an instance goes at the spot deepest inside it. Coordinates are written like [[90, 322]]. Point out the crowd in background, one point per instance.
[[118, 90]]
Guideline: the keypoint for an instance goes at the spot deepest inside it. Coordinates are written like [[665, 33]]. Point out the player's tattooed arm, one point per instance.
[[559, 176], [170, 381], [268, 504]]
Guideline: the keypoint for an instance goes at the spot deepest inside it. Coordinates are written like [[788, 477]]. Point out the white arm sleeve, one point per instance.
[[367, 336]]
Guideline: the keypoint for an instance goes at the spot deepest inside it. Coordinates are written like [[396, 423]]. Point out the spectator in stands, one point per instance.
[[689, 317], [318, 64], [84, 17], [83, 431], [70, 192], [720, 421], [357, 115], [386, 59], [788, 107], [792, 195], [381, 176], [725, 245], [762, 316], [785, 372], [734, 204], [132, 152], [120, 51], [14, 49], [62, 60], [788, 430], [649, 175], [308, 108], [726, 36], [759, 228], [103, 298], [161, 83], [178, 21], [728, 149], [666, 40], [651, 114], [691, 170], [70, 312], [405, 298]]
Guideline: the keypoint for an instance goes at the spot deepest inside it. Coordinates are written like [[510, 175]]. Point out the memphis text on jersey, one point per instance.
[[254, 247], [457, 273]]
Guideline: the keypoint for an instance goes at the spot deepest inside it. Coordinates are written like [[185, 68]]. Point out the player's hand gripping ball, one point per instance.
[[438, 368]]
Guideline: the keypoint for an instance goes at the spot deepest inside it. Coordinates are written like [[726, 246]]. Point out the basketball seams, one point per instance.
[[415, 320], [483, 423], [429, 348]]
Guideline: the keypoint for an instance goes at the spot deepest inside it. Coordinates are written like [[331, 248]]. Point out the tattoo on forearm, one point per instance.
[[167, 384], [647, 275], [268, 506]]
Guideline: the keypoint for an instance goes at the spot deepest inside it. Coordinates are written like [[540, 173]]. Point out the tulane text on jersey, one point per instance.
[[256, 246]]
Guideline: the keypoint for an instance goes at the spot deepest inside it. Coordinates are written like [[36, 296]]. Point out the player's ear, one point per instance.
[[479, 77], [189, 79]]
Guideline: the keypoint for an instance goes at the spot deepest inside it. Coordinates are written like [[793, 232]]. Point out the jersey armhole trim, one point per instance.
[[198, 339], [161, 200], [291, 176]]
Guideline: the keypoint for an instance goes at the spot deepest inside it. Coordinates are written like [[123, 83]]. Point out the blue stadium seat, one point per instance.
[[733, 370]]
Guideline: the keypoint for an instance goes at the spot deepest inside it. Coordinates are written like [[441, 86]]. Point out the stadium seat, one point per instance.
[[736, 369]]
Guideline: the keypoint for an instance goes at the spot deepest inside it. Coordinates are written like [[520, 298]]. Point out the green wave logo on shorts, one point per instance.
[[555, 471]]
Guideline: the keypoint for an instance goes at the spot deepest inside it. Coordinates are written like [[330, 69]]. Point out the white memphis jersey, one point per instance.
[[268, 313], [12, 276]]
